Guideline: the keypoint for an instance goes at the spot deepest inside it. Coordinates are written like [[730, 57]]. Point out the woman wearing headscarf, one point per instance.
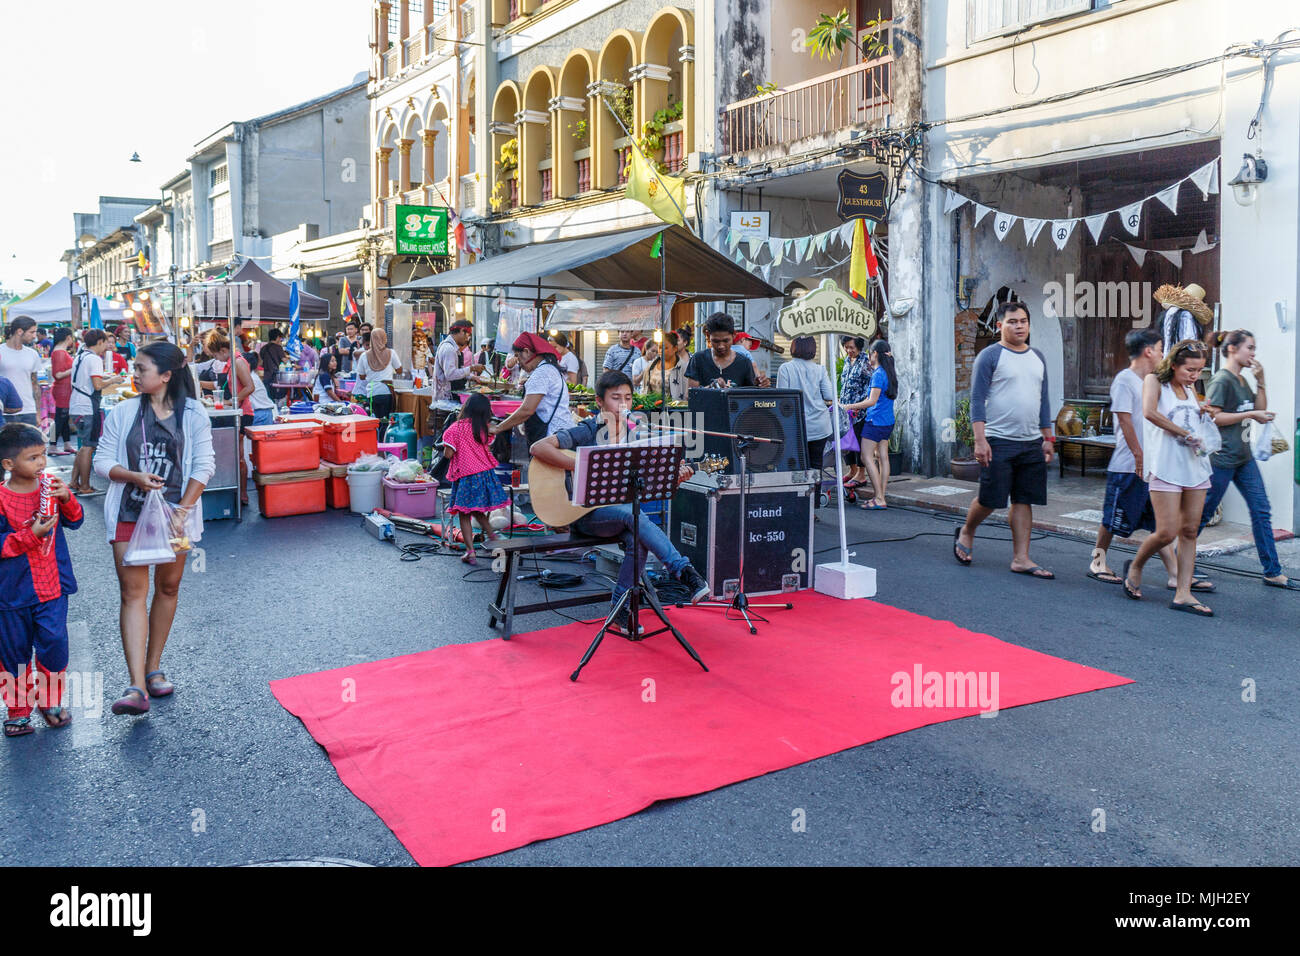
[[375, 368]]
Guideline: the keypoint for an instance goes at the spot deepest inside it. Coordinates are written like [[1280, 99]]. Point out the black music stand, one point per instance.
[[619, 474], [740, 602]]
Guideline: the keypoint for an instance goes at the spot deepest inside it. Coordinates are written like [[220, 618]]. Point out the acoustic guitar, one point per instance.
[[550, 494]]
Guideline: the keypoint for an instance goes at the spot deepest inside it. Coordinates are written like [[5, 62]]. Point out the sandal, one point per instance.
[[469, 558], [1132, 592], [959, 550], [126, 704], [1194, 608], [62, 713], [158, 684], [18, 727]]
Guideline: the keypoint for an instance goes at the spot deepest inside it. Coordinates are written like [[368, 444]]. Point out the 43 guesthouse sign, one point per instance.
[[421, 231]]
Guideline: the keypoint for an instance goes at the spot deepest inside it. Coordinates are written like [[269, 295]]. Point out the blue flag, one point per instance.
[[294, 345], [96, 322]]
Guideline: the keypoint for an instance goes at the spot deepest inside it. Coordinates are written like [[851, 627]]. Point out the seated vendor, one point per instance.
[[722, 366], [614, 399]]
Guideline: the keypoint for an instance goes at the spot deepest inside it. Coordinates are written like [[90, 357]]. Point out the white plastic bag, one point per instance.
[[1263, 442], [155, 540], [1208, 433], [405, 470]]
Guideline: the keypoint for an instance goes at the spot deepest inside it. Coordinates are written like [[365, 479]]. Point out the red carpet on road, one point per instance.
[[473, 749]]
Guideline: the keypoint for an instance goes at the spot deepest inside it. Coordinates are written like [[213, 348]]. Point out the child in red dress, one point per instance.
[[475, 488]]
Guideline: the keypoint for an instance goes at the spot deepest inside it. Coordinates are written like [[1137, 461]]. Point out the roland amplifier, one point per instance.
[[775, 413], [705, 527]]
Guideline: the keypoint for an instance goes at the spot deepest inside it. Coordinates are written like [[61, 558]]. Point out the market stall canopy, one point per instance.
[[50, 306], [615, 264], [267, 299]]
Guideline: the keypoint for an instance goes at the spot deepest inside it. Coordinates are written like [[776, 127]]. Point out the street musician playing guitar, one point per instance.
[[553, 457]]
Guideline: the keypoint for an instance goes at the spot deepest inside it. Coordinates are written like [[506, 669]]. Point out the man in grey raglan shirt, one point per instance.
[[1011, 418]]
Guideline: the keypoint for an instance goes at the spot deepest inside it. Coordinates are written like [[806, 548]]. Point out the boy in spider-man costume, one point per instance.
[[34, 584]]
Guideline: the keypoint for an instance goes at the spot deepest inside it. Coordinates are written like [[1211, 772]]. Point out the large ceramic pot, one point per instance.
[[966, 469]]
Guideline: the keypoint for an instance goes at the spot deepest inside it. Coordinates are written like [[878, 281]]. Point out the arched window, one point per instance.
[[613, 142], [504, 174], [537, 184], [572, 115], [666, 77]]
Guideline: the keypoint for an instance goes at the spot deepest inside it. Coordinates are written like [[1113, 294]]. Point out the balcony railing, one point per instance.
[[622, 160], [674, 157], [392, 61], [584, 175], [468, 194], [415, 48], [547, 190], [467, 21], [855, 96]]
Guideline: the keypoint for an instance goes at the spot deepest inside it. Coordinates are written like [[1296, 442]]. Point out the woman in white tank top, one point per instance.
[[1175, 467]]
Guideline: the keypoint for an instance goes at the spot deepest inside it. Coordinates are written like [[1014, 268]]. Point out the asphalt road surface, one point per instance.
[[1185, 771]]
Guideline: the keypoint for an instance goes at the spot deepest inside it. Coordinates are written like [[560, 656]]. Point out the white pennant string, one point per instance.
[[953, 201], [981, 212], [767, 272], [733, 240], [801, 247], [1130, 217], [773, 246], [1096, 224], [845, 233], [754, 244], [1176, 257], [1139, 255], [1032, 228], [1002, 223], [1169, 197], [1201, 178], [819, 243], [1214, 177], [1062, 229], [1203, 244]]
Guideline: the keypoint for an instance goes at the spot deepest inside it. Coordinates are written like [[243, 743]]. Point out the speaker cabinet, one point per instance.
[[775, 413]]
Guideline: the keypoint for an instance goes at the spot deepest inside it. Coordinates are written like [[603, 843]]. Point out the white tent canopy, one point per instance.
[[51, 307]]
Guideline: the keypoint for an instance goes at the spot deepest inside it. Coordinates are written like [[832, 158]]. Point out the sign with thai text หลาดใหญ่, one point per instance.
[[420, 231], [862, 197], [827, 308]]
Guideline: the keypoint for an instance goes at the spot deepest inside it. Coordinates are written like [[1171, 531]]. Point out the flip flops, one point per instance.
[[1291, 584], [1129, 592], [128, 704], [959, 550], [19, 727], [1105, 577], [1198, 609], [1033, 573], [62, 714]]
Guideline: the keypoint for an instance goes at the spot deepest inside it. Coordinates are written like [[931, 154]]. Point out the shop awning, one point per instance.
[[615, 264], [267, 299]]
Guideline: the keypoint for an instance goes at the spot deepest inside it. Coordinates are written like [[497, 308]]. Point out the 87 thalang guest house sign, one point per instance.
[[420, 231], [862, 197], [828, 309]]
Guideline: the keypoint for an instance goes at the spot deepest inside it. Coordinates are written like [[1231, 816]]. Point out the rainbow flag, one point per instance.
[[347, 304]]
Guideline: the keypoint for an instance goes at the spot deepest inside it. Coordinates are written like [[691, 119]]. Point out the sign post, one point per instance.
[[828, 311], [420, 231]]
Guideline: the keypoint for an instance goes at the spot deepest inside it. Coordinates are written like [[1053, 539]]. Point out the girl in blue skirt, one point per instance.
[[475, 488]]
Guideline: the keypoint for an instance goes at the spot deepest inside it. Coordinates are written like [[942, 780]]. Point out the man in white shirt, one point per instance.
[[21, 364], [448, 364], [1127, 506], [83, 408]]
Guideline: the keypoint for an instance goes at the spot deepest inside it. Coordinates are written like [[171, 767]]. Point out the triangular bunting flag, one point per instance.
[[777, 248], [1062, 229], [1096, 224], [801, 247], [1176, 257], [981, 212], [1201, 178], [820, 240], [1169, 197], [1139, 255], [767, 272], [952, 201], [1002, 224], [1032, 228], [733, 240], [845, 233], [1214, 177], [1203, 244], [1130, 217], [754, 243]]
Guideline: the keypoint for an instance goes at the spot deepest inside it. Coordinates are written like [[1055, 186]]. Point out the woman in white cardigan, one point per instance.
[[161, 440]]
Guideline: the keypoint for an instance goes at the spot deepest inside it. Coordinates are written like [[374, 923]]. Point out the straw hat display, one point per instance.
[[1191, 299]]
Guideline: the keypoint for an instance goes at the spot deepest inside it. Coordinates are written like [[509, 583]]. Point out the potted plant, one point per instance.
[[964, 466]]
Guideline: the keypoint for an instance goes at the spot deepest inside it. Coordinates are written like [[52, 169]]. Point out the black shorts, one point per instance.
[[1128, 505], [1017, 470]]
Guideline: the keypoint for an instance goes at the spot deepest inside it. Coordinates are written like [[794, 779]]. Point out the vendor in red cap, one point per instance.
[[545, 410]]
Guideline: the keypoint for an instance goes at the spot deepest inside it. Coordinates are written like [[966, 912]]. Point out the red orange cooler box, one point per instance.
[[292, 493], [346, 438], [293, 446]]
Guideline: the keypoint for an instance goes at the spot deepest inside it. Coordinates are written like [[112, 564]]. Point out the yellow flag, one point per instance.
[[858, 261], [665, 195]]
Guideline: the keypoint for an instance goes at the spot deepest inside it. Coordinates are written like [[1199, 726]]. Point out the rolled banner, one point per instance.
[[1131, 217], [1062, 230], [1002, 224]]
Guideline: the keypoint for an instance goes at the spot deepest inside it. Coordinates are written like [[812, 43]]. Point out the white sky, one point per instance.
[[86, 83]]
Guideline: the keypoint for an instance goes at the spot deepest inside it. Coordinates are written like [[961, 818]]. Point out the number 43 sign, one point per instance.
[[421, 231]]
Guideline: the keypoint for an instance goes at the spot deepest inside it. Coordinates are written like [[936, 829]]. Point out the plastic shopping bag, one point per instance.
[[156, 539], [1208, 433], [849, 440], [1263, 442]]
